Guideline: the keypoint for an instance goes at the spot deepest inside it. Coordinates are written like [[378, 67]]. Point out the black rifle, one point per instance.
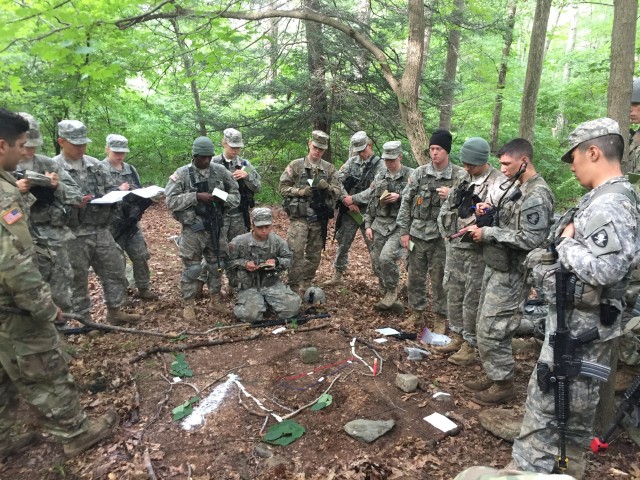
[[349, 184], [464, 200], [300, 320], [212, 215], [246, 200], [132, 211], [323, 212], [566, 363]]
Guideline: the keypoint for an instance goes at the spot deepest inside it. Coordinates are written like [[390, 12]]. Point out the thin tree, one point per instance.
[[451, 65]]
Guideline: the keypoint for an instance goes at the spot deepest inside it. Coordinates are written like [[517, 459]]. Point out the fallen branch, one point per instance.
[[289, 415], [149, 465]]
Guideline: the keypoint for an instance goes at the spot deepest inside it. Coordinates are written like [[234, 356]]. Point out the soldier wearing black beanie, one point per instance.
[[442, 138]]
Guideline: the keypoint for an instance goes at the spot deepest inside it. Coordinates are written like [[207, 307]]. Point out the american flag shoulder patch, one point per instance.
[[174, 177], [11, 216]]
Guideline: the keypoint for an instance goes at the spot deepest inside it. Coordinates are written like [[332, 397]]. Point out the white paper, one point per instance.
[[310, 182], [279, 330], [380, 340], [148, 192], [387, 331], [441, 422], [118, 195], [440, 394], [221, 194]]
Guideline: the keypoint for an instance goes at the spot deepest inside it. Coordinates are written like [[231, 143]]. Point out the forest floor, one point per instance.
[[116, 370]]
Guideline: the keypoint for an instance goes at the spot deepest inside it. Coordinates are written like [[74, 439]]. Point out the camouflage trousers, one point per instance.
[[135, 247], [345, 236], [233, 226], [56, 270], [427, 256], [463, 283], [100, 252], [385, 253], [305, 242], [536, 448], [33, 365], [498, 320], [279, 298], [193, 247]]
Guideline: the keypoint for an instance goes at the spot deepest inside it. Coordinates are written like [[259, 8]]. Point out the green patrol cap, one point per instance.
[[202, 146], [475, 151]]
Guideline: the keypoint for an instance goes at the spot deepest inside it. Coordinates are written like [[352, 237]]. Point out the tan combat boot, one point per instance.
[[99, 428], [115, 316], [336, 279], [500, 392], [16, 443], [414, 320], [390, 297], [189, 311], [465, 356], [454, 346], [439, 324], [477, 385], [147, 294], [216, 304]]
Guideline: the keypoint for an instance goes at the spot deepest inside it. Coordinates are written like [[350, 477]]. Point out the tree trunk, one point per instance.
[[534, 69], [502, 77], [274, 49], [561, 120], [451, 65]]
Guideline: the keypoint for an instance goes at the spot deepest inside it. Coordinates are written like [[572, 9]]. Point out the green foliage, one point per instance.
[[284, 433], [184, 409], [180, 367], [324, 401]]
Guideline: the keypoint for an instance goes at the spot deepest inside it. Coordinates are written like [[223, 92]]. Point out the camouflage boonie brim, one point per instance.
[[588, 131], [73, 131]]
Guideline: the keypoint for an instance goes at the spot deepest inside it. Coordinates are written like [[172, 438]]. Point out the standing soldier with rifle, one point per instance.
[[195, 196], [309, 187], [596, 243], [356, 176], [126, 229]]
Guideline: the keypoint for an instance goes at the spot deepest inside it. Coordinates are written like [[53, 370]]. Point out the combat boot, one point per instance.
[[216, 304], [414, 320], [477, 385], [115, 316], [465, 356], [189, 311], [439, 324], [336, 279], [390, 297], [147, 294], [16, 443], [199, 289], [454, 346], [500, 392], [99, 428]]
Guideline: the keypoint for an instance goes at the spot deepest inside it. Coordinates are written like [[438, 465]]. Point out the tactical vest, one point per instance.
[[361, 183], [246, 194], [48, 213], [300, 207], [426, 203], [96, 183], [392, 186]]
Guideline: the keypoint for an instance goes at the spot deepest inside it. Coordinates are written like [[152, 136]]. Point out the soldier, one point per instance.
[[32, 360], [632, 165], [92, 245], [596, 242], [190, 196], [522, 216], [237, 220], [49, 215], [126, 229], [428, 186], [380, 222], [309, 187], [465, 266], [258, 257], [356, 176]]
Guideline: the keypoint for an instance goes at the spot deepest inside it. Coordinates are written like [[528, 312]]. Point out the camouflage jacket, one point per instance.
[[632, 165], [92, 179], [381, 217], [128, 174], [248, 186], [21, 284], [245, 248], [362, 172], [421, 203], [297, 175]]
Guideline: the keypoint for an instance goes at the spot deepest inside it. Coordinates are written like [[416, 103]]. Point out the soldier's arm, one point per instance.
[[370, 213], [235, 259], [68, 191], [178, 198], [335, 188], [403, 221], [231, 187], [283, 255], [137, 180], [253, 179]]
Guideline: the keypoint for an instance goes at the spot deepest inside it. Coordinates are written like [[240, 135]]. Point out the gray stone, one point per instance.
[[501, 422], [263, 451], [309, 355], [368, 430], [406, 382]]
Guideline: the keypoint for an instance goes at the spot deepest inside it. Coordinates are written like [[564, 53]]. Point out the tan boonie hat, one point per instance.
[[588, 131], [319, 139], [359, 141], [233, 138], [117, 143], [34, 137], [73, 131], [392, 150], [261, 216]]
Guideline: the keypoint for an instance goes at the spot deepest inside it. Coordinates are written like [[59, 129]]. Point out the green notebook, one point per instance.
[[357, 216]]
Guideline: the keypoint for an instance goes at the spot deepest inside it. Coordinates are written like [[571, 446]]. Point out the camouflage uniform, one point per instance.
[[418, 217], [48, 221], [196, 241], [93, 245], [33, 363], [381, 218], [465, 266], [524, 225], [305, 231], [132, 241], [488, 473], [596, 260]]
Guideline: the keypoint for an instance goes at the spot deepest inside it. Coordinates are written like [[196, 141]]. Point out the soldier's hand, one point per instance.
[[59, 315], [369, 233], [477, 235], [404, 240], [391, 198], [239, 174], [323, 184], [85, 199], [205, 197], [354, 208], [481, 208], [124, 186], [304, 191], [55, 180], [569, 231], [347, 201], [251, 266], [23, 185], [271, 261], [443, 192]]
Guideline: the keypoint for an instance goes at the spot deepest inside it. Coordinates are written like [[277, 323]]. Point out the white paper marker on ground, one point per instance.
[[208, 405], [441, 422]]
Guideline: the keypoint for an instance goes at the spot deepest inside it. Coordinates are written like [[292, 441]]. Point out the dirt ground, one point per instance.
[[119, 371]]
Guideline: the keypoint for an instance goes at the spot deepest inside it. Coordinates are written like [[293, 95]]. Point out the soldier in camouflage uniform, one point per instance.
[[33, 364], [465, 266], [258, 257], [596, 242], [356, 176], [309, 187], [524, 209], [190, 197], [92, 245], [488, 473], [49, 215], [380, 222], [237, 220], [126, 229], [428, 186]]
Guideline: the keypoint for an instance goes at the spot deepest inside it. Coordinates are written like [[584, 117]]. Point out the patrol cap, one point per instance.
[[475, 151], [117, 143], [359, 141], [202, 146], [261, 216], [588, 131], [233, 138], [73, 131], [319, 139], [34, 137], [392, 150], [635, 93]]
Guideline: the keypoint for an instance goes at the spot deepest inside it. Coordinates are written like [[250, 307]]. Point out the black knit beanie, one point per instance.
[[442, 138]]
